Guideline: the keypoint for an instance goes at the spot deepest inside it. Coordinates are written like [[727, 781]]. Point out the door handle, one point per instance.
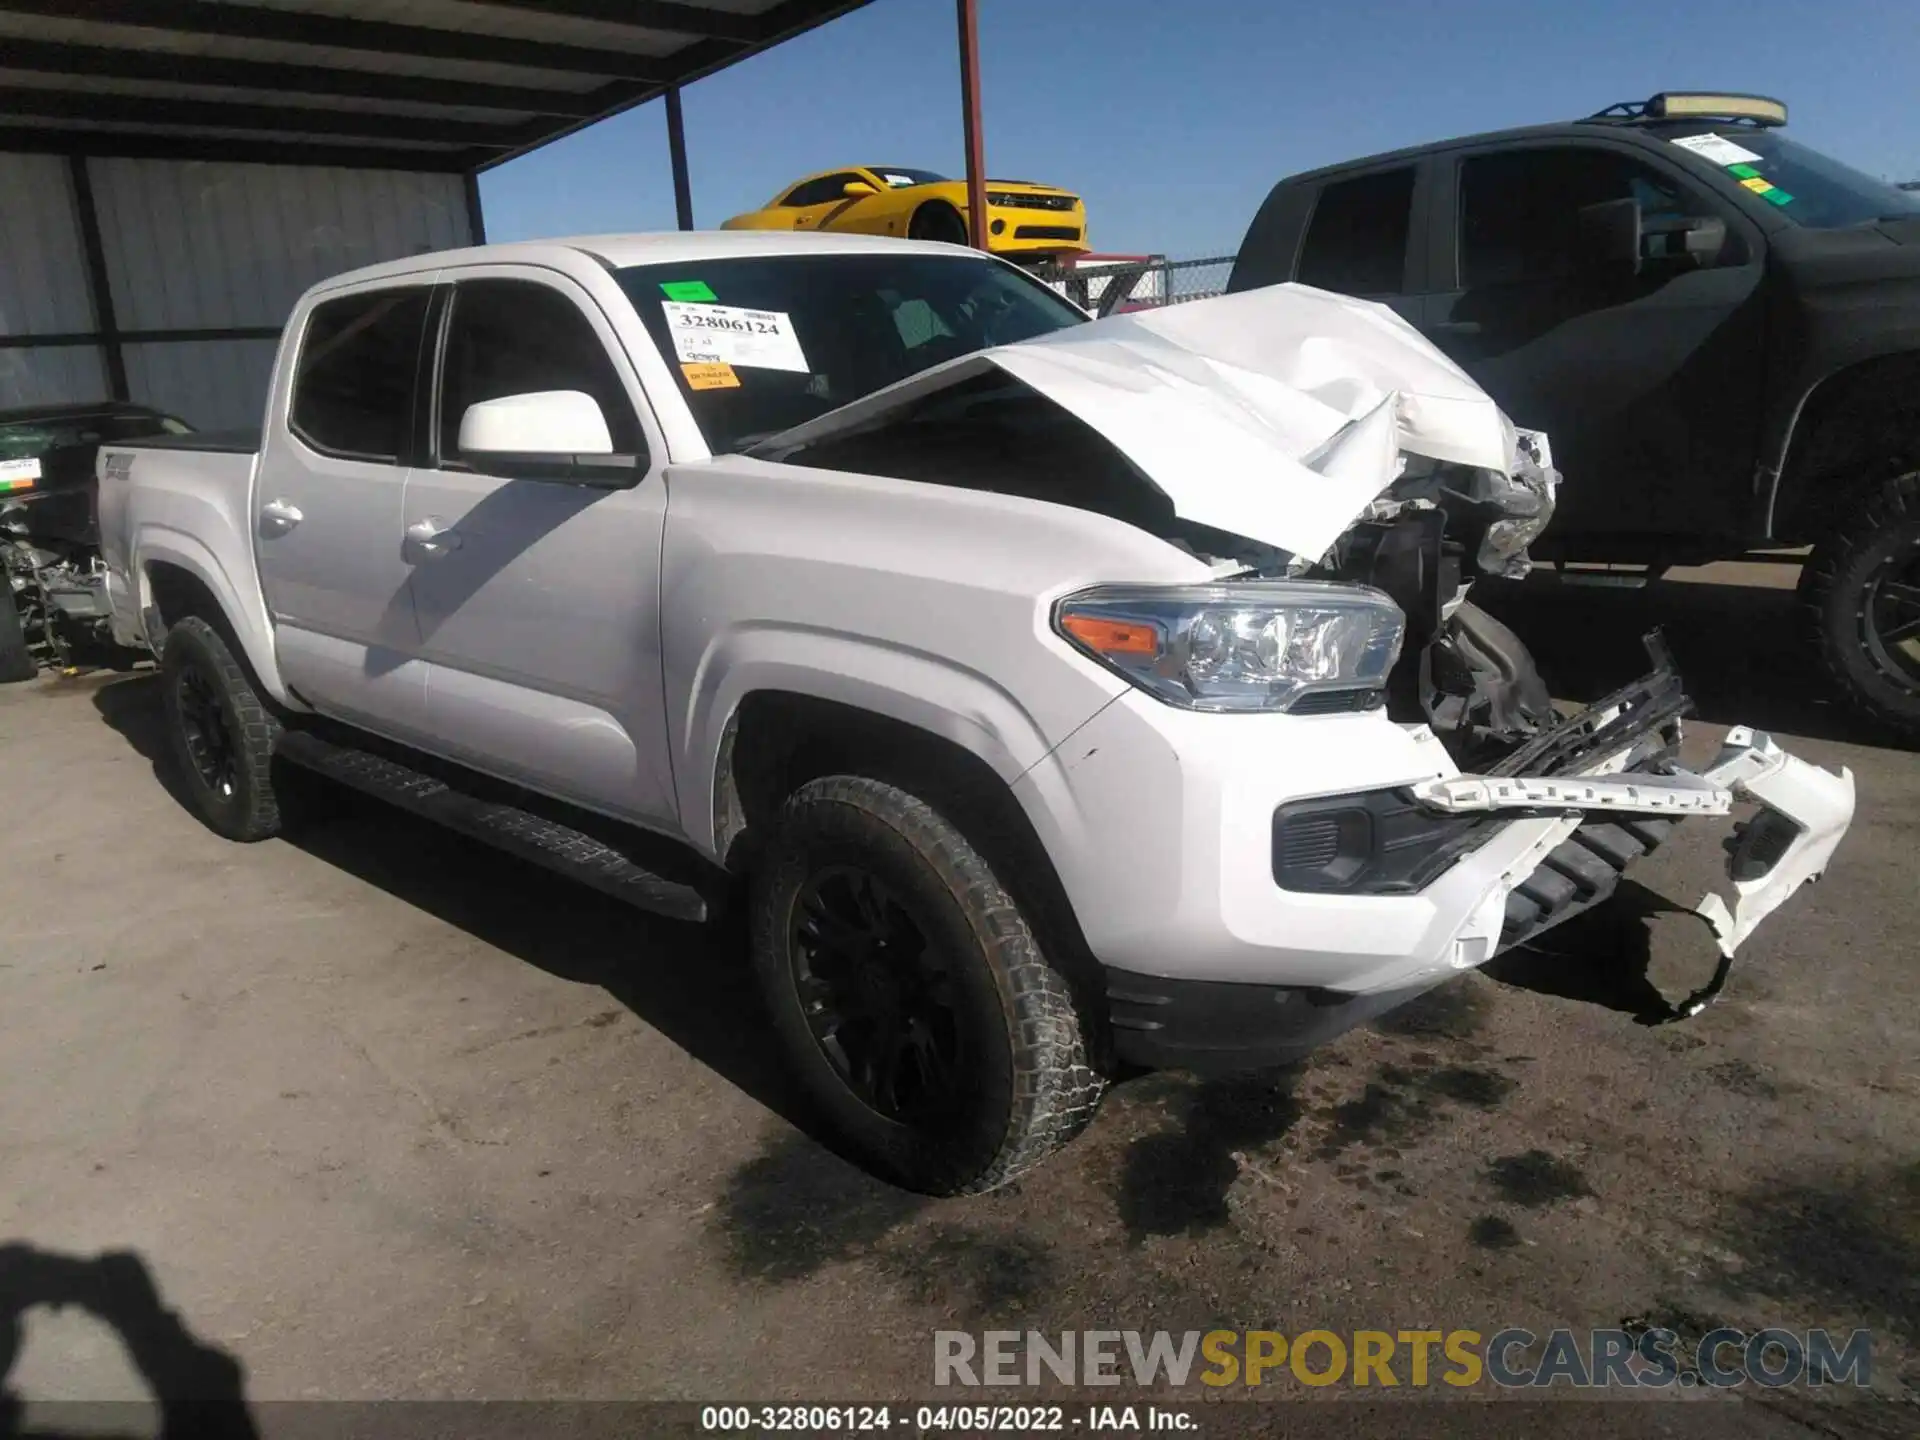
[[1457, 327], [277, 517], [431, 538]]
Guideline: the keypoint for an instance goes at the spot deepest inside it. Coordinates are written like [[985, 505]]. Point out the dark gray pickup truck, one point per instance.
[[1719, 327]]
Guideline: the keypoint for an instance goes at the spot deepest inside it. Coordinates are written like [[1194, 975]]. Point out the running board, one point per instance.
[[518, 832]]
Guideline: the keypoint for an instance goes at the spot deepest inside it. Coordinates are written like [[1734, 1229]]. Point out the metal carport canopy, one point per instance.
[[438, 85]]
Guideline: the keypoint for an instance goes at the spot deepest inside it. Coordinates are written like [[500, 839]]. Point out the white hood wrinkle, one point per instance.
[[1278, 414]]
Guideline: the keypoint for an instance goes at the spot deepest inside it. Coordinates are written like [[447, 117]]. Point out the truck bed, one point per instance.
[[183, 506]]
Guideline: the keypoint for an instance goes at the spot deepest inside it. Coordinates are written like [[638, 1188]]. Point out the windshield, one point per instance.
[[763, 344], [1805, 185], [899, 176], [30, 439]]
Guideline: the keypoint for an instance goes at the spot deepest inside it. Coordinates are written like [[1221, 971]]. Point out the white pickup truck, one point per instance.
[[1071, 696]]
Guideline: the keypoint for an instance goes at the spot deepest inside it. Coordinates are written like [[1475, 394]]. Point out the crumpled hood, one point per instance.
[[1278, 414]]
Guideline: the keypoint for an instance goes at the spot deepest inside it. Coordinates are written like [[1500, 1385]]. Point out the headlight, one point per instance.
[[1258, 645]]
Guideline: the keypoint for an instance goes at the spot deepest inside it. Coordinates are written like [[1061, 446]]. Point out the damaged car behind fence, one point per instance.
[[1063, 696]]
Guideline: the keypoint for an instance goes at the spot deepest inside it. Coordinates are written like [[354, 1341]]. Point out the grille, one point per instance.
[[1309, 843], [1029, 202], [1047, 232]]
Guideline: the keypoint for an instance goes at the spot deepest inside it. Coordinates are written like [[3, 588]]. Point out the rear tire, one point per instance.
[[937, 220], [1861, 596], [913, 1002], [16, 661], [220, 733]]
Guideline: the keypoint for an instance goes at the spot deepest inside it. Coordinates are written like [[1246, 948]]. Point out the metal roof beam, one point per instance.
[[255, 22], [21, 103], [653, 15], [277, 150], [50, 58], [698, 60]]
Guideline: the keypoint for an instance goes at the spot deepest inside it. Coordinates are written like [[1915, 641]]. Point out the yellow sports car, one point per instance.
[[1022, 218]]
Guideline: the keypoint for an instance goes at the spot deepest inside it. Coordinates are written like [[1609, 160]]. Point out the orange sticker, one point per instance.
[[710, 377], [1757, 185]]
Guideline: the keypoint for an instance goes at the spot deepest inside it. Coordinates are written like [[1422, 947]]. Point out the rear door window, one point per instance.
[[1356, 242], [353, 387]]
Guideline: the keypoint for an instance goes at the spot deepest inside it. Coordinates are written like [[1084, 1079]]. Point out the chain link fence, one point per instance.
[[1115, 286]]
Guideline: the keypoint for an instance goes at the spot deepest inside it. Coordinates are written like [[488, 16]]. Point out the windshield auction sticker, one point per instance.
[[19, 474], [710, 377], [728, 335], [1717, 148]]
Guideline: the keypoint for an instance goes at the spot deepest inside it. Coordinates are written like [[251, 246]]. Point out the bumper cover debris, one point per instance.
[[1805, 811]]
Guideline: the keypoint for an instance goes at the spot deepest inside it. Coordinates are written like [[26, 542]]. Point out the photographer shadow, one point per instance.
[[198, 1388], [1602, 957]]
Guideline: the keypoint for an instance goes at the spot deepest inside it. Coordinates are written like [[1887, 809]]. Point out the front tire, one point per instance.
[[913, 1002], [1861, 594], [220, 733]]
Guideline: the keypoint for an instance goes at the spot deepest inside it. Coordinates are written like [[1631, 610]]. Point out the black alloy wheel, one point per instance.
[[220, 732], [928, 1036], [206, 734], [1860, 593], [880, 999], [1890, 614]]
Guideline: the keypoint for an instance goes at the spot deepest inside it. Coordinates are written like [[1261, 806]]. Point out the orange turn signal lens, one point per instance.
[[1104, 636]]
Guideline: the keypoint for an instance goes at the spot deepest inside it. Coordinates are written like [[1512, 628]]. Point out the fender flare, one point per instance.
[[927, 692], [1781, 484], [241, 605]]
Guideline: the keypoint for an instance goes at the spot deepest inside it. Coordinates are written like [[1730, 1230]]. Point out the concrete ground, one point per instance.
[[384, 1114]]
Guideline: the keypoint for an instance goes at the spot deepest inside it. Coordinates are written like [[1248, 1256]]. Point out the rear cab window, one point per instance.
[[1356, 240], [353, 385], [760, 344]]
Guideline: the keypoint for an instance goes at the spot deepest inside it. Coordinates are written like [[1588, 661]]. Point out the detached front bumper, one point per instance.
[[1461, 867]]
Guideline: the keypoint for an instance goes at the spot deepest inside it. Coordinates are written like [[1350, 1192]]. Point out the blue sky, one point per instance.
[[1173, 120]]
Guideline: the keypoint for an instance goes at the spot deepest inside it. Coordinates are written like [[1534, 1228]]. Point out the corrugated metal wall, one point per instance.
[[212, 384], [43, 286], [195, 246]]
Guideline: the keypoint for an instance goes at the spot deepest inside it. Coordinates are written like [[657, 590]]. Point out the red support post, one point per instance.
[[970, 115]]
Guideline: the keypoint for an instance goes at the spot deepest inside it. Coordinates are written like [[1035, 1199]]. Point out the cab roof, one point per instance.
[[1669, 113], [668, 247]]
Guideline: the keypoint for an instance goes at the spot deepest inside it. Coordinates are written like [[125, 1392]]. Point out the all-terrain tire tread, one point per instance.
[[258, 730], [1897, 502], [1056, 1091]]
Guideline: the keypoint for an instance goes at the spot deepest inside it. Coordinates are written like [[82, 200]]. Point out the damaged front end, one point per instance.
[[1611, 772], [1291, 435]]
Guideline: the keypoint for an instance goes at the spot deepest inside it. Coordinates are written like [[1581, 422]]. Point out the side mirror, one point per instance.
[[856, 188], [545, 435], [1608, 235], [1687, 240]]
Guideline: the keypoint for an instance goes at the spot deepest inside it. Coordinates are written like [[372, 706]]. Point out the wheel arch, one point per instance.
[[775, 741], [938, 204], [1852, 429], [178, 576]]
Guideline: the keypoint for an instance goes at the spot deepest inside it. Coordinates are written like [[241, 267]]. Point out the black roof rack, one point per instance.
[[1722, 105]]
